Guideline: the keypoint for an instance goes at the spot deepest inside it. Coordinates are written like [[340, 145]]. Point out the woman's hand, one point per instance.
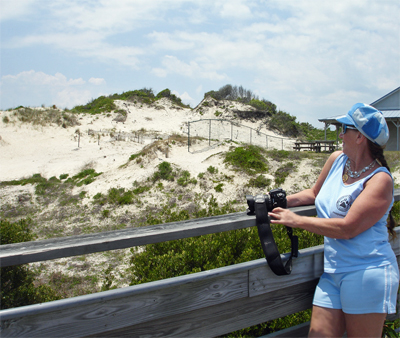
[[285, 217]]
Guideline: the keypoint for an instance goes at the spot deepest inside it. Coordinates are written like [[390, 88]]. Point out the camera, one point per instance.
[[260, 205], [274, 199]]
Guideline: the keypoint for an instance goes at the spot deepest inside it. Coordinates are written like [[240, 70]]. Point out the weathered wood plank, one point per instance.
[[227, 317], [126, 308], [36, 251], [308, 266]]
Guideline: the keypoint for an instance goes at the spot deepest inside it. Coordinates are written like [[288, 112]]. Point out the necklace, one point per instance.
[[355, 174]]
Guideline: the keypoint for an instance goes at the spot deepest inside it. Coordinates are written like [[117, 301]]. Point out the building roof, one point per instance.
[[391, 112], [383, 98]]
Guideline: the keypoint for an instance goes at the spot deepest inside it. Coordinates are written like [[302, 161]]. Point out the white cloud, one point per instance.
[[71, 97], [32, 77], [159, 72], [164, 40], [199, 90], [34, 88], [302, 52], [185, 97], [97, 81], [12, 9], [174, 66], [233, 9]]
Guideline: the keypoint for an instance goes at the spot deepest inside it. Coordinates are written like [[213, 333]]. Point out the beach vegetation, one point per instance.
[[185, 179], [43, 117], [164, 172], [175, 99], [18, 282], [218, 187], [260, 182], [282, 172], [100, 105], [249, 159], [212, 170]]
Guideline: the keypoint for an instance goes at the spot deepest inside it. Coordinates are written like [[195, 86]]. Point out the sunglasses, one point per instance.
[[345, 127]]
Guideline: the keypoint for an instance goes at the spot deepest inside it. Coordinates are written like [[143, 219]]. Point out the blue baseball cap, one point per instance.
[[369, 121]]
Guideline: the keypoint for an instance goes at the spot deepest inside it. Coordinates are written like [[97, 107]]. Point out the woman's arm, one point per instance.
[[368, 208], [307, 197]]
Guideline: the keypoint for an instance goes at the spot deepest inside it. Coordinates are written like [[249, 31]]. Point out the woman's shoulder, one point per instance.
[[335, 154], [333, 157], [381, 175]]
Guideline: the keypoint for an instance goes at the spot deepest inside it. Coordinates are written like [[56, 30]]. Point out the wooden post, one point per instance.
[[188, 136], [209, 133]]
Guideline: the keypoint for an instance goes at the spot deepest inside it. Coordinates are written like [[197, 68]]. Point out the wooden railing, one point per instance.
[[206, 304]]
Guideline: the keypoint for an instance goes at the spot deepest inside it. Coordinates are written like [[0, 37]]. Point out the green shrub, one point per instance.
[[140, 190], [282, 172], [212, 170], [17, 282], [285, 124], [100, 105], [132, 157], [47, 187], [184, 179], [218, 188], [120, 196], [167, 93], [248, 159], [98, 196], [260, 182], [278, 155], [263, 105], [86, 177], [144, 95], [164, 172], [186, 256], [36, 178]]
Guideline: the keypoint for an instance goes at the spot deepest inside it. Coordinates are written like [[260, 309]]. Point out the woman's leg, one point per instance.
[[366, 325], [327, 322]]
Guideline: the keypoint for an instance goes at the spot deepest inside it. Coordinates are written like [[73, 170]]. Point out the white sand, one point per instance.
[[52, 150]]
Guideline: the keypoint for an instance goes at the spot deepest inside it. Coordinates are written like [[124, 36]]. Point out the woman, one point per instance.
[[353, 196]]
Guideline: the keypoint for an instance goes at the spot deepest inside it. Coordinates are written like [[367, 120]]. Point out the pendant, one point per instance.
[[345, 177]]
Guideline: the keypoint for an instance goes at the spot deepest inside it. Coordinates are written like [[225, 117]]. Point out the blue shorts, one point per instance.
[[359, 292]]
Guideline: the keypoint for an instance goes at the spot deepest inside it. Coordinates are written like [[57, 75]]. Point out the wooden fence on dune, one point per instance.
[[204, 304]]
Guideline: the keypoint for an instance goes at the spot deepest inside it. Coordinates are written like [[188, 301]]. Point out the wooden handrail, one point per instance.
[[206, 304]]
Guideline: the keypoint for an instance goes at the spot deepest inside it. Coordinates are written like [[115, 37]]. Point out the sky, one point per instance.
[[312, 58]]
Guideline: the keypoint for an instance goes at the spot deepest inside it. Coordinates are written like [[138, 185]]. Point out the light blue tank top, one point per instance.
[[369, 249]]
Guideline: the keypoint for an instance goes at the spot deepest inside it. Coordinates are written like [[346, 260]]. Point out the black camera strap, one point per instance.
[[268, 244]]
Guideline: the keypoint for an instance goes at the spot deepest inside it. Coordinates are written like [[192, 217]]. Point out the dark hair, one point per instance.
[[377, 153]]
